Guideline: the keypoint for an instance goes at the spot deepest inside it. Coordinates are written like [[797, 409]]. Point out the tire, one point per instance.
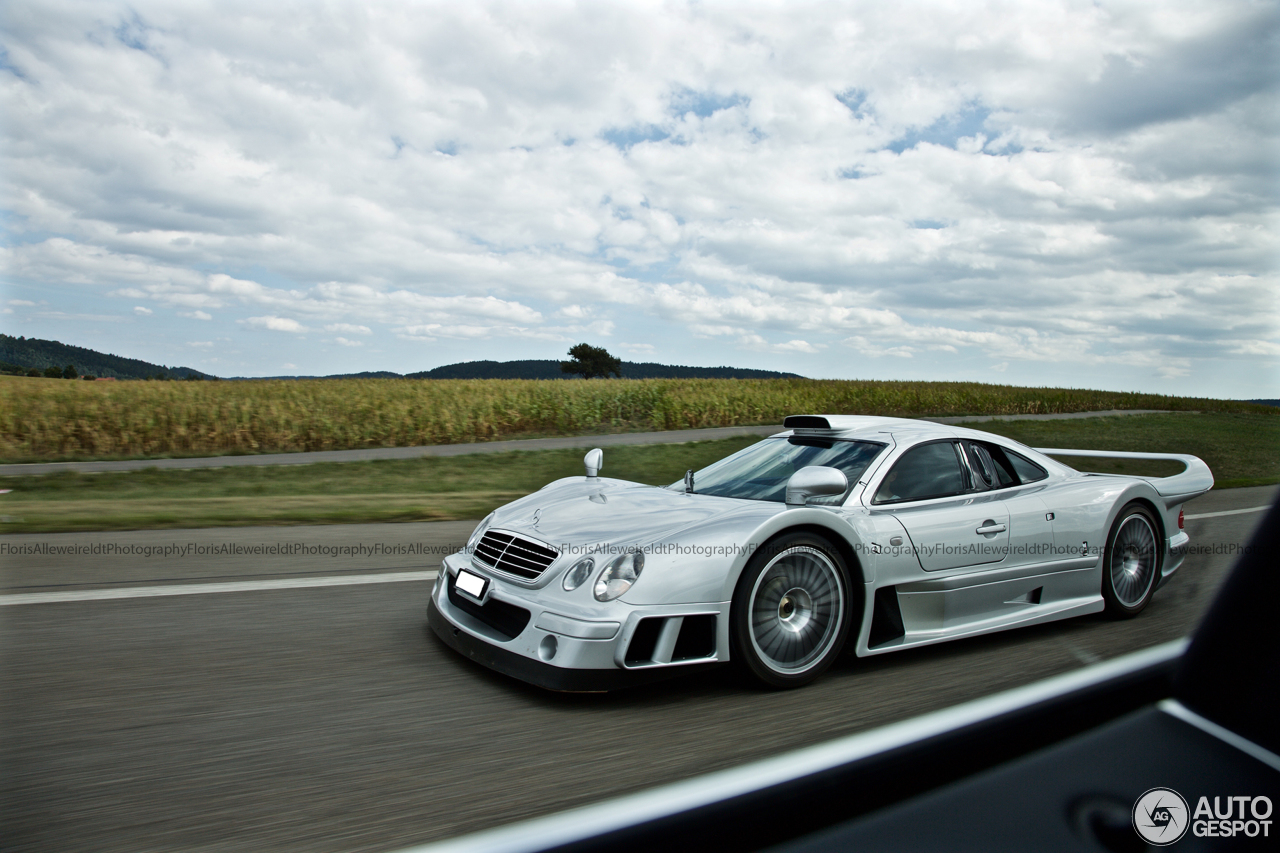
[[1132, 561], [791, 611]]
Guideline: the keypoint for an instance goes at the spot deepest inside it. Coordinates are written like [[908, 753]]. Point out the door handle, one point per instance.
[[989, 527]]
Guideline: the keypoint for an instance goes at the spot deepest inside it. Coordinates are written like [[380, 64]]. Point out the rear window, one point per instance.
[[1028, 471]]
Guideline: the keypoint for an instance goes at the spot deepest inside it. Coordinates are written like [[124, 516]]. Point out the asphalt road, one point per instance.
[[330, 719]]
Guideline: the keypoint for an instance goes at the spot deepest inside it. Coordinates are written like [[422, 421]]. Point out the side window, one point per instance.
[[993, 468], [928, 471], [1028, 471]]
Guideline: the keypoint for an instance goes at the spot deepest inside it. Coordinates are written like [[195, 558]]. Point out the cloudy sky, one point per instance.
[[1060, 193]]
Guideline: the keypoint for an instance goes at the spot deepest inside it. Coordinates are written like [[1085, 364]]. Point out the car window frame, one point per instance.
[[961, 464]]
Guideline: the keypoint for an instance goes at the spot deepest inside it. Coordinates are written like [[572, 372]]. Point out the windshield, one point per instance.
[[760, 472]]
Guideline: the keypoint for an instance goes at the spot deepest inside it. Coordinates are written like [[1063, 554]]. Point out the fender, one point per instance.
[[830, 520]]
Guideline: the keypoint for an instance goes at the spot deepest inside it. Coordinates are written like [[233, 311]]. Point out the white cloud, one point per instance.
[[275, 324], [200, 344], [1054, 186], [138, 309], [348, 343], [22, 302]]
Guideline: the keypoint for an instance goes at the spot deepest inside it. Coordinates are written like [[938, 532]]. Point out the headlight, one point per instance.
[[579, 574], [618, 576], [477, 533]]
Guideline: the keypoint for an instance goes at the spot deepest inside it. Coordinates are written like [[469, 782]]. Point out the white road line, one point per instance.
[[1226, 512], [206, 588]]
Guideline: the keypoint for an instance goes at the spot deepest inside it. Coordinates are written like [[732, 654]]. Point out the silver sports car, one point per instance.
[[875, 533]]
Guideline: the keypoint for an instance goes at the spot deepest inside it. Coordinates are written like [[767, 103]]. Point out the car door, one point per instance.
[[928, 491], [1014, 479]]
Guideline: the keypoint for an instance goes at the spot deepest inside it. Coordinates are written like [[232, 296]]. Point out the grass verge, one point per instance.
[[426, 489], [1241, 449]]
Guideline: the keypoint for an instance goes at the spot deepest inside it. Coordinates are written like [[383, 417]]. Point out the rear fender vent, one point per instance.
[[672, 639]]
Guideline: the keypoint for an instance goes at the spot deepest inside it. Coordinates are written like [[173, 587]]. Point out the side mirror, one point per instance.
[[815, 481], [594, 460]]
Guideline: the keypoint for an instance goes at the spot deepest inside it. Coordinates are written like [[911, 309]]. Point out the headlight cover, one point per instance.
[[618, 576], [477, 533], [579, 574]]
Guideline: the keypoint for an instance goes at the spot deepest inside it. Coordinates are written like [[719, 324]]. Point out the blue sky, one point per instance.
[[1067, 194]]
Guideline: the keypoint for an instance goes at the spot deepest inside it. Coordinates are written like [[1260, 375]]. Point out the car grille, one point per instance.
[[514, 555]]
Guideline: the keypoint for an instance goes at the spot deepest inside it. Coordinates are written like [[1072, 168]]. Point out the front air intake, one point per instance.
[[514, 555]]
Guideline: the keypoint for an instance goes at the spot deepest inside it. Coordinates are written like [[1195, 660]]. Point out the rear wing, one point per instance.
[[1192, 482]]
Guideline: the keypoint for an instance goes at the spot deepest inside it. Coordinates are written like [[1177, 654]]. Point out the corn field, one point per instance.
[[44, 419]]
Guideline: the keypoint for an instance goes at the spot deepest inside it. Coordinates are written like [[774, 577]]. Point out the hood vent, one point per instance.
[[514, 555]]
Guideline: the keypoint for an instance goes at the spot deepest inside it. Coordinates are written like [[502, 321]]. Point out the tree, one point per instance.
[[589, 362], [53, 372], [69, 372]]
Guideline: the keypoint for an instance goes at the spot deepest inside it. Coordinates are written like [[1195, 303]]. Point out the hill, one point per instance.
[[550, 369], [28, 353], [17, 355]]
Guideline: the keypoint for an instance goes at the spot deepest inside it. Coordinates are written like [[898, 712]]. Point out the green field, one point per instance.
[[51, 419], [1241, 449]]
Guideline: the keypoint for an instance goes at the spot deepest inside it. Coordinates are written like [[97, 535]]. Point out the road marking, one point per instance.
[[1226, 512], [207, 588], [1085, 657]]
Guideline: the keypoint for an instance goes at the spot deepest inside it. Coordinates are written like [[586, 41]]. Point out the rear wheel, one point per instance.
[[1131, 562], [791, 611]]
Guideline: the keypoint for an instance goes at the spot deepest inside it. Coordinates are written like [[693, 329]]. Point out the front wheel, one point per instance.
[[791, 611], [1131, 562]]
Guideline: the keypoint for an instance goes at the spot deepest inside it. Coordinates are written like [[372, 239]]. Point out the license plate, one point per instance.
[[472, 585]]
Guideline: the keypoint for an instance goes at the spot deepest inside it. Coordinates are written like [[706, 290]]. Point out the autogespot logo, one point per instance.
[[1160, 816]]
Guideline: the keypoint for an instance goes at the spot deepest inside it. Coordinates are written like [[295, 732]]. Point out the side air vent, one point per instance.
[[886, 618], [805, 422], [662, 640]]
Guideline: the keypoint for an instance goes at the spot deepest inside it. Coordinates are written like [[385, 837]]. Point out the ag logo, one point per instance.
[[1160, 816]]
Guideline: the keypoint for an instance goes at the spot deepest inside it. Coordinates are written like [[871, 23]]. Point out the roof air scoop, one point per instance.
[[805, 422]]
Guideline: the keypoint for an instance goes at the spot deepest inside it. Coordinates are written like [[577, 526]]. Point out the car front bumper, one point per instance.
[[515, 632]]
